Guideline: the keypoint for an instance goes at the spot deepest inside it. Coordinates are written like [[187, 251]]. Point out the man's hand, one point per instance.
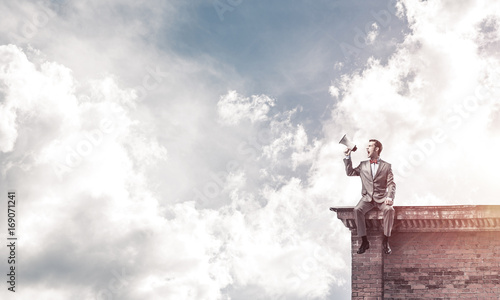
[[347, 151], [389, 201]]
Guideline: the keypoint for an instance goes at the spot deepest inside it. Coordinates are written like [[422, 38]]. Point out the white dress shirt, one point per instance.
[[374, 168]]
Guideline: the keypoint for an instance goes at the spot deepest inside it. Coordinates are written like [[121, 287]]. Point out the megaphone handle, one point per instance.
[[354, 148]]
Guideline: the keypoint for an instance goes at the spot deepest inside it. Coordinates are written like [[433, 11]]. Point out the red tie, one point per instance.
[[373, 161]]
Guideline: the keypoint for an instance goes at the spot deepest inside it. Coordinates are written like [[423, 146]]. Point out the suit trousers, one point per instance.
[[363, 207]]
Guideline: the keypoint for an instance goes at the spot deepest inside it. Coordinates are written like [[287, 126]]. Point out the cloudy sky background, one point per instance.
[[189, 150]]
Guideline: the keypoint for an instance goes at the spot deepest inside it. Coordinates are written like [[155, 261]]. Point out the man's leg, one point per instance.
[[360, 211], [388, 212]]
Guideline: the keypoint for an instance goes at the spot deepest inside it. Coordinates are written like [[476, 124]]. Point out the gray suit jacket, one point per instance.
[[373, 188]]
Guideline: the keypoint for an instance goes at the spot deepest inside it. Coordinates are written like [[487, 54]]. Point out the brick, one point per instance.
[[418, 286]]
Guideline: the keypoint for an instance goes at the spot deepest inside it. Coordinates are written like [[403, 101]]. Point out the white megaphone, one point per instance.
[[350, 145]]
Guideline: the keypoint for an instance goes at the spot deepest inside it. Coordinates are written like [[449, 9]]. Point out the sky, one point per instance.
[[190, 149]]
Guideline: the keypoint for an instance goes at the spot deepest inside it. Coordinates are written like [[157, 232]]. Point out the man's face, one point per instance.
[[372, 150]]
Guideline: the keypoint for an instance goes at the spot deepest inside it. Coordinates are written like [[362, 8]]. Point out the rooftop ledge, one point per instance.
[[430, 218]]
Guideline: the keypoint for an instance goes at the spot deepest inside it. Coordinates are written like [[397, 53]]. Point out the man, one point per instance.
[[378, 190]]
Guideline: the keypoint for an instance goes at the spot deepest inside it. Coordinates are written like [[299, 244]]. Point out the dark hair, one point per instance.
[[377, 144]]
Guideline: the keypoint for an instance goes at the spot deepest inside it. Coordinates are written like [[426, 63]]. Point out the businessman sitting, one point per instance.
[[378, 190]]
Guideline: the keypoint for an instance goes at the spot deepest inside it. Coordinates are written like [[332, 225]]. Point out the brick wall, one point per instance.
[[366, 268], [444, 265], [448, 252]]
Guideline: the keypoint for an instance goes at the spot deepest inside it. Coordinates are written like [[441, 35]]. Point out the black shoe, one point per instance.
[[364, 246], [387, 248]]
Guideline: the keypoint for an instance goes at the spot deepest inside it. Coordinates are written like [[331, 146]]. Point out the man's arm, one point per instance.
[[349, 170], [391, 188]]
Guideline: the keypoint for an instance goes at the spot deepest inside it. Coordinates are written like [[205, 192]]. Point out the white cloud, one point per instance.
[[334, 92], [28, 94], [233, 108]]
